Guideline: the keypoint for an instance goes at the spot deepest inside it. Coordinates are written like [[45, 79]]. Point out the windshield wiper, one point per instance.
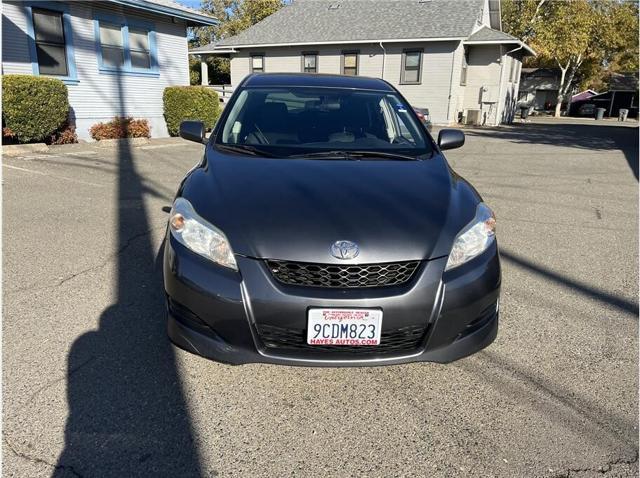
[[354, 155], [381, 154], [244, 149], [339, 154]]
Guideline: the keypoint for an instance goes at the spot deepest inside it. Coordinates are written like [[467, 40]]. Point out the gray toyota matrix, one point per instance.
[[324, 227]]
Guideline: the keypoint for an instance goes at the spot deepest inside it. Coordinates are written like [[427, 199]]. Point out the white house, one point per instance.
[[116, 57], [448, 56]]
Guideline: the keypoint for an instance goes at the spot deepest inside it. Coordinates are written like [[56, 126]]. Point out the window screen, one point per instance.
[[139, 46], [111, 45], [350, 63], [465, 64], [310, 63], [411, 67], [50, 43]]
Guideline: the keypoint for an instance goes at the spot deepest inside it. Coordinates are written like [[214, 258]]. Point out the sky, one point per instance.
[[190, 3]]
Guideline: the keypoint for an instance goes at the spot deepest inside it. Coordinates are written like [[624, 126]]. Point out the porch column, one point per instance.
[[204, 71]]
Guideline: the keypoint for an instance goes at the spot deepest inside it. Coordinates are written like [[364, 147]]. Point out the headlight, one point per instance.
[[203, 238], [474, 239]]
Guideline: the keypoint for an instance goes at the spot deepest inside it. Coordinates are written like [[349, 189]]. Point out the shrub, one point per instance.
[[7, 133], [65, 135], [121, 127], [190, 103], [33, 107], [194, 71]]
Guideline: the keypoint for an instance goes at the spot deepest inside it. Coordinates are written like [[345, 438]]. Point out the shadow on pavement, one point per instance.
[[587, 290], [127, 412], [594, 136], [585, 417]]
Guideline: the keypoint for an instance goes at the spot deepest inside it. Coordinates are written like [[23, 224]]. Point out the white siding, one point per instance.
[[511, 87], [457, 90], [15, 49], [483, 72], [432, 93], [97, 96]]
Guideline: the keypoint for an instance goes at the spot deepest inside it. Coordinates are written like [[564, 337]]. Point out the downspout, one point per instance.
[[501, 71], [384, 56], [453, 60]]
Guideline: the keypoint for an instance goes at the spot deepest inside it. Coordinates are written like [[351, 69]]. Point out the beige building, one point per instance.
[[448, 56]]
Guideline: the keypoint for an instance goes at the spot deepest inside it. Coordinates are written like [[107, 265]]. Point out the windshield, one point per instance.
[[294, 121]]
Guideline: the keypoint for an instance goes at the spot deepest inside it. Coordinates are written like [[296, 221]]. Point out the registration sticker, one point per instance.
[[344, 326], [400, 107]]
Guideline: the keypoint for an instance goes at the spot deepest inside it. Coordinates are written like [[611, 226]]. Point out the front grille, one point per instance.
[[342, 276], [404, 339]]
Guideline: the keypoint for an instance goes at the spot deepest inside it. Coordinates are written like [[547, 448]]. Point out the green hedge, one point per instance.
[[33, 107], [190, 103]]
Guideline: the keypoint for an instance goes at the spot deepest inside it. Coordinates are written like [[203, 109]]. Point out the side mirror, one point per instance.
[[193, 131], [450, 139]]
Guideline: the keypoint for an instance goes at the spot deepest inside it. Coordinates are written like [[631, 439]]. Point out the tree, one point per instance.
[[234, 16], [564, 34], [519, 17], [585, 39]]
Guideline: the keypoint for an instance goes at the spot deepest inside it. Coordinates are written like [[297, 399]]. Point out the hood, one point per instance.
[[295, 209]]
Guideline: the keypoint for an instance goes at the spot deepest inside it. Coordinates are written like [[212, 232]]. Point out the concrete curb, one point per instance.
[[22, 149], [114, 143]]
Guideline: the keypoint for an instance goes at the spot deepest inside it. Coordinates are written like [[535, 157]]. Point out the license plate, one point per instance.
[[344, 326]]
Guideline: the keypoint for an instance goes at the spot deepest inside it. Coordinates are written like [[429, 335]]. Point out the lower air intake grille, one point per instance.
[[404, 339], [342, 276]]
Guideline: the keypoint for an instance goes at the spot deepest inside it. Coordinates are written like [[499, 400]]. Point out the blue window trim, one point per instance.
[[127, 69], [72, 77]]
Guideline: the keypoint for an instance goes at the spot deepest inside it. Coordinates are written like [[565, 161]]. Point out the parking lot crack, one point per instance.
[[35, 459], [57, 380], [110, 258], [603, 470]]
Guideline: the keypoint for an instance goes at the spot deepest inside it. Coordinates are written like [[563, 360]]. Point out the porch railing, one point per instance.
[[224, 91]]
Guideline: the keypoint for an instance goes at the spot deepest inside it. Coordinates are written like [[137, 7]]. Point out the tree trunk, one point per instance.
[[560, 92], [567, 87]]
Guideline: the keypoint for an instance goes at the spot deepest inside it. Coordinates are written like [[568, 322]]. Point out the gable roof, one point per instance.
[[171, 8], [486, 35], [340, 21], [489, 34]]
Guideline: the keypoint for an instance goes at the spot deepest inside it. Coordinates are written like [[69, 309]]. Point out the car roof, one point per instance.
[[316, 80]]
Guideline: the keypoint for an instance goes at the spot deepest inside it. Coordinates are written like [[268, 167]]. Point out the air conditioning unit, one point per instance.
[[472, 117]]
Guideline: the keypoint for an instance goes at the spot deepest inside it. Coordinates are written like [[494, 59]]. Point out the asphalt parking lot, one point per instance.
[[92, 386]]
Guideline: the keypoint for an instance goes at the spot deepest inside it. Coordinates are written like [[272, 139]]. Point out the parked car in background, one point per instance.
[[424, 116], [324, 227]]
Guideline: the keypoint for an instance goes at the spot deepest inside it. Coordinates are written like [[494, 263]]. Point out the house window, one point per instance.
[[126, 47], [50, 42], [257, 63], [512, 70], [111, 45], [139, 47], [310, 62], [465, 64], [411, 67], [350, 63]]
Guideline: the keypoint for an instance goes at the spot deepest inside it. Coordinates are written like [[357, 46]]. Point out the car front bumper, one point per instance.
[[221, 314]]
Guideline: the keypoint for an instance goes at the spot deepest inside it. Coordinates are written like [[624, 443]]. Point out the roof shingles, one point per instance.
[[489, 34], [313, 21]]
